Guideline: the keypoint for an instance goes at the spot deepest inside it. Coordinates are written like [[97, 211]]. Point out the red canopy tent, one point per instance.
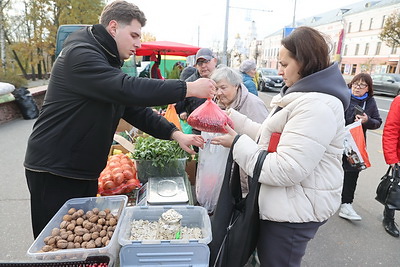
[[166, 48]]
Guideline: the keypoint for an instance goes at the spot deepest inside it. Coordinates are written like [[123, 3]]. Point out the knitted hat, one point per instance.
[[247, 65]]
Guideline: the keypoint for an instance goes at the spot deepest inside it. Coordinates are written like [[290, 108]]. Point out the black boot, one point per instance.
[[389, 224]]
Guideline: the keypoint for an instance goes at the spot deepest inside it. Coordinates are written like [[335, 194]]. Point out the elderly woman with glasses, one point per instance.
[[361, 95]]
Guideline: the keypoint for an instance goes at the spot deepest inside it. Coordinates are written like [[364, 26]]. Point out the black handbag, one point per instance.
[[388, 190], [235, 223]]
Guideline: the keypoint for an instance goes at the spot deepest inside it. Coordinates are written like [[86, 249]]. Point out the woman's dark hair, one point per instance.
[[309, 48], [363, 76], [123, 12]]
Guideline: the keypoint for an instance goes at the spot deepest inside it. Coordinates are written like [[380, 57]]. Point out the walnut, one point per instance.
[[71, 238], [88, 225], [80, 212], [95, 235], [62, 243], [103, 233], [83, 244], [110, 234], [87, 237], [67, 217], [96, 211], [64, 235], [46, 239], [101, 221], [89, 213], [71, 211], [75, 215], [47, 248], [77, 245], [71, 227], [64, 224], [70, 245], [55, 232], [79, 221], [104, 240], [90, 244], [78, 239], [51, 241], [102, 214], [112, 221], [107, 211], [97, 242], [79, 231], [93, 218]]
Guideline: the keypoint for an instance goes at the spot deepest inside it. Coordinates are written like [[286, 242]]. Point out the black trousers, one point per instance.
[[49, 192], [284, 244], [349, 186]]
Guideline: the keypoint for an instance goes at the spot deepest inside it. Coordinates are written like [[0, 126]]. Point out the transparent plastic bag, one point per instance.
[[210, 172], [208, 117]]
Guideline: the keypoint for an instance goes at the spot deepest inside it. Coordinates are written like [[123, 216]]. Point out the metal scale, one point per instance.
[[163, 191]]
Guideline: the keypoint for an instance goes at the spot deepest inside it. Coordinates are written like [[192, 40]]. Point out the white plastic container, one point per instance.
[[192, 216], [176, 252], [117, 206]]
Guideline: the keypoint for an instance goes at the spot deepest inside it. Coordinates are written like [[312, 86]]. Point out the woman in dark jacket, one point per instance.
[[361, 95]]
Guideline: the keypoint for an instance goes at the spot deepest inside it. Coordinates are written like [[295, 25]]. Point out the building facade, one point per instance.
[[353, 32]]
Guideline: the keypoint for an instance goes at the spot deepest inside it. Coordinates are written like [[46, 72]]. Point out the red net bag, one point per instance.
[[208, 117]]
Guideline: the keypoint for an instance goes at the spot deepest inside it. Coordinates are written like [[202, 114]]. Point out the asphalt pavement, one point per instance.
[[338, 243]]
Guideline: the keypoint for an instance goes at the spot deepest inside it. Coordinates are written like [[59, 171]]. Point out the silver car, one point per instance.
[[386, 83]]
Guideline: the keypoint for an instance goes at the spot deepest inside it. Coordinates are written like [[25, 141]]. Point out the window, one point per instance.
[[366, 49], [378, 48], [361, 23], [370, 23], [357, 48], [345, 50], [349, 28], [383, 21], [394, 50]]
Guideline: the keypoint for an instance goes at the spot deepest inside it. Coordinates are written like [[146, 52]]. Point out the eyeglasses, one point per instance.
[[200, 63], [360, 85]]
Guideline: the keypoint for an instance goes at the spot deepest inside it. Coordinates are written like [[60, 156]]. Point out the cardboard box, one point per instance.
[[191, 170], [123, 149], [124, 126]]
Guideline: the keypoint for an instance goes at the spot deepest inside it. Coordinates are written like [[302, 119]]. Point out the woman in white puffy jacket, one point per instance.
[[301, 178]]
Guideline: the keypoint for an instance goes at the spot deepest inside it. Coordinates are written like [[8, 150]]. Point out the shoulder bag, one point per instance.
[[235, 223], [388, 190]]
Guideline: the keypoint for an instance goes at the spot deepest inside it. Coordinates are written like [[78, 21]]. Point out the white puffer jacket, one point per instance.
[[302, 181]]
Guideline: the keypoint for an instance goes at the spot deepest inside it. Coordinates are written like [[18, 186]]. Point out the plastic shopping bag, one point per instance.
[[186, 128], [355, 147], [208, 117], [210, 172], [172, 116]]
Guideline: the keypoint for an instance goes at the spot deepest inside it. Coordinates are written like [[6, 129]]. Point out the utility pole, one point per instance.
[[2, 42], [224, 59], [294, 15]]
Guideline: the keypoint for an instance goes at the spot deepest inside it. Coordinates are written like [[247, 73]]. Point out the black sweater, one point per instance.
[[86, 97]]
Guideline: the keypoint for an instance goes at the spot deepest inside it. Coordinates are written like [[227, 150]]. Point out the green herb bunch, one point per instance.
[[161, 152]]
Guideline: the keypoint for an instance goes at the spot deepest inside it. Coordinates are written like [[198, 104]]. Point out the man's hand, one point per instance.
[[201, 88], [187, 140], [225, 140]]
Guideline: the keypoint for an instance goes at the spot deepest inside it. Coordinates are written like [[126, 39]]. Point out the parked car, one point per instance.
[[386, 83], [269, 79]]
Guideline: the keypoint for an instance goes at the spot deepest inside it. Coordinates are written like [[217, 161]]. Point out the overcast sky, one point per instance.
[[202, 22]]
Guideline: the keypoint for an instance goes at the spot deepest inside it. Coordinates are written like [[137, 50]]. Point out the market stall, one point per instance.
[[143, 214]]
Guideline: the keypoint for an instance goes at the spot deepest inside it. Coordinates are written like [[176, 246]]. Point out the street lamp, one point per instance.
[[225, 47]]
